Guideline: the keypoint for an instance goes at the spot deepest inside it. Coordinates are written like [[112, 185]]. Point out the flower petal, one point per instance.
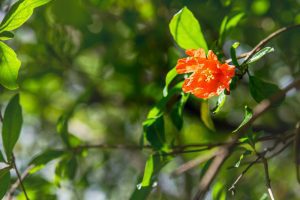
[[211, 55]]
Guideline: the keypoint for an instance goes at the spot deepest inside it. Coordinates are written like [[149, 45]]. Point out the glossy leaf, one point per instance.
[[205, 115], [41, 160], [9, 67], [260, 54], [233, 54], [227, 24], [169, 78], [177, 111], [247, 116], [186, 30], [4, 181], [12, 124], [153, 166], [6, 35], [261, 90], [19, 13], [246, 153], [218, 191], [220, 103]]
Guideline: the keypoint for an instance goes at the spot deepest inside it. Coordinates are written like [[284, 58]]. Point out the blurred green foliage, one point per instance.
[[104, 63]]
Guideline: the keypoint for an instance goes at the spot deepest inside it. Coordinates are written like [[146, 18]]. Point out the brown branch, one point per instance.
[[193, 163], [267, 39], [225, 150], [262, 43]]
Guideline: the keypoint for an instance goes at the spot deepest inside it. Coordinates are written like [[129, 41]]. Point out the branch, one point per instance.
[[232, 188], [18, 182], [224, 150], [263, 42], [268, 180]]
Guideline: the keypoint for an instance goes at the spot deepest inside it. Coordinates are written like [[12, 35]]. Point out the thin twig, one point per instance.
[[267, 39], [224, 151], [232, 188], [14, 187], [262, 43], [19, 177], [193, 163], [267, 176]]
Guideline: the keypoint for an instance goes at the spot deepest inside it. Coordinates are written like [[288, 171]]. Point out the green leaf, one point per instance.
[[4, 181], [246, 153], [6, 35], [205, 115], [261, 90], [66, 168], [233, 54], [264, 197], [154, 132], [247, 116], [41, 160], [220, 103], [12, 124], [186, 30], [9, 67], [177, 111], [218, 191], [2, 157], [160, 106], [170, 76], [19, 13], [153, 166], [62, 128], [260, 54], [228, 24], [233, 22]]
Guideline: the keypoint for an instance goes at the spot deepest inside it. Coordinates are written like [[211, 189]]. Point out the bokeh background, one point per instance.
[[109, 59]]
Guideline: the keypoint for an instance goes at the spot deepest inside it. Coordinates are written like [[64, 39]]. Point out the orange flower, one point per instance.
[[209, 77]]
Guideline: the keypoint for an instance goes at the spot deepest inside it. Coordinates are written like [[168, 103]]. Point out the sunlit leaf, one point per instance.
[[12, 123], [153, 166], [260, 54], [220, 103], [247, 116], [6, 35], [261, 90], [237, 164], [9, 67], [186, 30], [41, 160], [265, 196], [170, 76], [205, 115], [19, 13], [227, 24], [233, 54], [218, 191]]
